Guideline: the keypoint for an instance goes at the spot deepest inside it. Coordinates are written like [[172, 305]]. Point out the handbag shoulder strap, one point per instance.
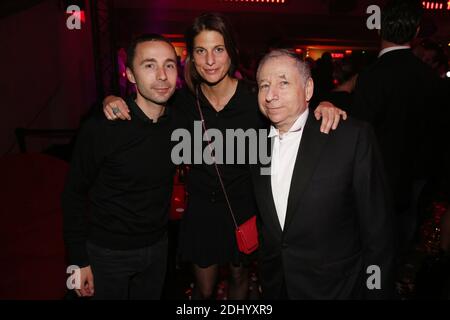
[[214, 159]]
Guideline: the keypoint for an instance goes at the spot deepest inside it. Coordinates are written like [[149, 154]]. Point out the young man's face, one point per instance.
[[282, 96], [154, 71]]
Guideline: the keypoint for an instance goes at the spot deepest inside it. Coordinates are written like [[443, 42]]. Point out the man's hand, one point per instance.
[[115, 108], [330, 115], [87, 283]]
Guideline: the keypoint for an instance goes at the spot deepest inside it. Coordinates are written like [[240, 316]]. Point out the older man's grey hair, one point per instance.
[[302, 67]]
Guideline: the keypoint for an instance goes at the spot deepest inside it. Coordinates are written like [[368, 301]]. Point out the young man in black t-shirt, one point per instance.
[[122, 174]]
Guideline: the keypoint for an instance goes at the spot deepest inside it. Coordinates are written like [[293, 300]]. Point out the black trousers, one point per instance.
[[407, 221], [136, 274]]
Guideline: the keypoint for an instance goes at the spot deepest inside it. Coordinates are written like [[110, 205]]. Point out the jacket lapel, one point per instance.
[[307, 158], [266, 193]]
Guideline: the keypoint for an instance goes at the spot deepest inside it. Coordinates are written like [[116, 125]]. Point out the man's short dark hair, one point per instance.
[[131, 52], [400, 20]]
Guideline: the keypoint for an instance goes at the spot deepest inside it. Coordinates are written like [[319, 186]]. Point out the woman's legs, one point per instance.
[[238, 285], [205, 282]]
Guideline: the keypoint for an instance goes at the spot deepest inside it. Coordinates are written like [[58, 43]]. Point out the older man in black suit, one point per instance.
[[325, 222]]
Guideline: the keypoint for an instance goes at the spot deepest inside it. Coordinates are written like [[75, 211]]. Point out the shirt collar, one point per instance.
[[389, 49], [141, 115], [296, 127]]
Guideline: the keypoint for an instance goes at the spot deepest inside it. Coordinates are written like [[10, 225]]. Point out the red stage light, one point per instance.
[[435, 5], [83, 16], [80, 15], [336, 55]]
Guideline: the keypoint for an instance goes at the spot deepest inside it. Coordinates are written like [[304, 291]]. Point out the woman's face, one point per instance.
[[210, 56]]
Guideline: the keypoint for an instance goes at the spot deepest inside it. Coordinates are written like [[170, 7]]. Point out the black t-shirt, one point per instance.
[[118, 189]]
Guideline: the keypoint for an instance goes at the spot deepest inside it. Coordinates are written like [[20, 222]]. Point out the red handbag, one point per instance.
[[247, 236], [246, 233], [178, 201]]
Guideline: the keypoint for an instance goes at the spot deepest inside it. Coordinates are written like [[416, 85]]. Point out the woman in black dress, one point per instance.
[[207, 230]]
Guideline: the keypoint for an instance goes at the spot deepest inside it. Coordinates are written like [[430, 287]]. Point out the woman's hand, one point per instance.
[[115, 108], [330, 115]]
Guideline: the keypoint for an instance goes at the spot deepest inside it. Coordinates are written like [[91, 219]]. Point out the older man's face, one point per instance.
[[282, 96]]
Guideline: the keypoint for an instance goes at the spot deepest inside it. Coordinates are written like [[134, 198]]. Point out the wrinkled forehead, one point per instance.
[[281, 67]]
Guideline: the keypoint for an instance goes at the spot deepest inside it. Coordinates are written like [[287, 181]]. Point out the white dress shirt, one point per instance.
[[284, 154], [386, 50]]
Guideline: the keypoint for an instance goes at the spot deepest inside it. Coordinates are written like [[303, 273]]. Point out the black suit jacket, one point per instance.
[[398, 95], [338, 220]]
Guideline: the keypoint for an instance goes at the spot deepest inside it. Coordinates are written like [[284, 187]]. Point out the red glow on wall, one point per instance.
[[348, 52], [80, 15], [173, 35]]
